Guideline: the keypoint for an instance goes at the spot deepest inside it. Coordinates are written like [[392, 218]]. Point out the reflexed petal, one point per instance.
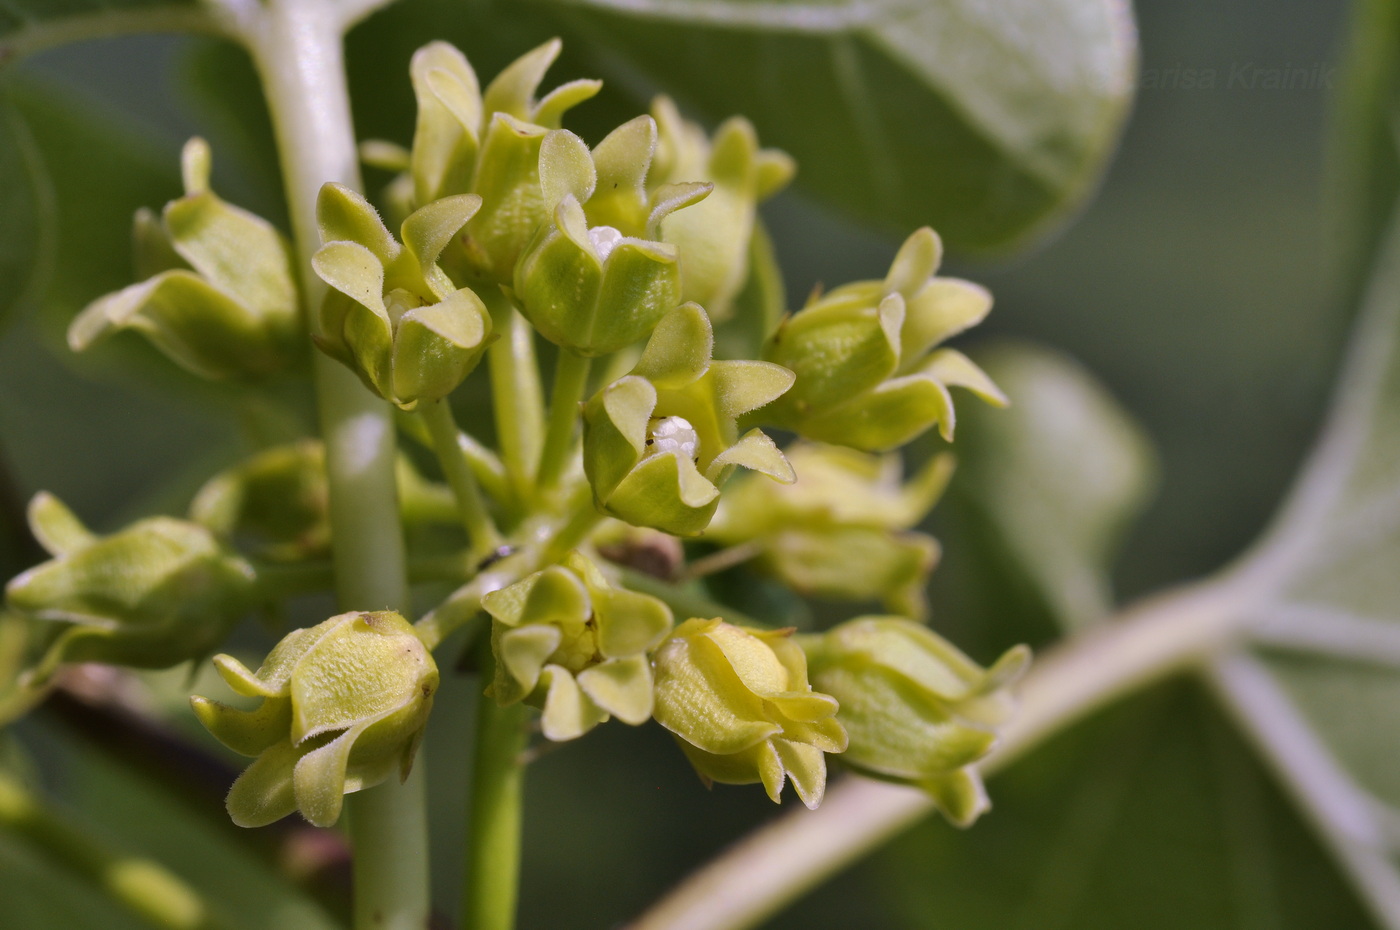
[[263, 794], [944, 308], [678, 351], [918, 258], [622, 687], [344, 215], [522, 653], [568, 712], [246, 732], [55, 527], [953, 369]]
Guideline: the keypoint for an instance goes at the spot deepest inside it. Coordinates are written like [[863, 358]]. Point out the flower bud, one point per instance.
[[219, 297], [343, 707], [279, 499], [868, 373], [469, 142], [571, 644], [658, 442], [918, 711], [598, 288], [843, 529], [394, 317], [155, 594], [714, 237], [739, 703]]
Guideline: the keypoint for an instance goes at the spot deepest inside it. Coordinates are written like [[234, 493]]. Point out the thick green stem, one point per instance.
[[480, 529], [756, 877], [491, 885], [515, 393], [296, 47], [570, 383]]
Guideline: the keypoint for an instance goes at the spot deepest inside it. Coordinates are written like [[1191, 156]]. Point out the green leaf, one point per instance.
[[1017, 104], [29, 26], [143, 817], [1151, 816], [26, 200], [1319, 691], [1367, 175], [1055, 477]]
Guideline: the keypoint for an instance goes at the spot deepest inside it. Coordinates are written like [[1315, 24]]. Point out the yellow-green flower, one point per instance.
[[659, 442], [487, 143], [918, 710], [343, 707], [394, 317], [739, 703], [869, 373], [843, 529], [714, 237], [157, 593], [573, 645], [595, 279], [218, 296]]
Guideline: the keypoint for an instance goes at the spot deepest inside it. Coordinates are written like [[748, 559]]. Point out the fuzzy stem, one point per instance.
[[777, 863], [480, 529], [570, 384], [490, 888], [515, 392], [296, 48]]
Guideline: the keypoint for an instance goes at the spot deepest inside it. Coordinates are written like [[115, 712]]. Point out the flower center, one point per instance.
[[603, 239], [672, 434]]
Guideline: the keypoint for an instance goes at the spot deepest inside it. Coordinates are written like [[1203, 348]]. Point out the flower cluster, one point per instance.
[[625, 256]]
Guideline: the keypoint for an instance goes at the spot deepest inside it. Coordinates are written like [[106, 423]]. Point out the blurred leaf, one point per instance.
[[1055, 477], [96, 173], [39, 895], [1016, 104], [140, 816], [1321, 695], [1367, 162], [26, 201], [28, 26], [1151, 816]]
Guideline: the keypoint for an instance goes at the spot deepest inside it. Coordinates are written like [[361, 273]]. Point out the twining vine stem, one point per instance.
[[297, 48], [757, 877]]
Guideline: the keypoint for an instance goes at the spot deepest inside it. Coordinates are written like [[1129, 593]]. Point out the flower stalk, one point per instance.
[[296, 47]]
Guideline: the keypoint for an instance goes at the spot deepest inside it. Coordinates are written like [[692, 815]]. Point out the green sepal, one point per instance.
[[621, 687], [219, 295], [917, 710], [869, 375], [344, 706], [159, 592], [196, 325], [715, 237], [445, 140]]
